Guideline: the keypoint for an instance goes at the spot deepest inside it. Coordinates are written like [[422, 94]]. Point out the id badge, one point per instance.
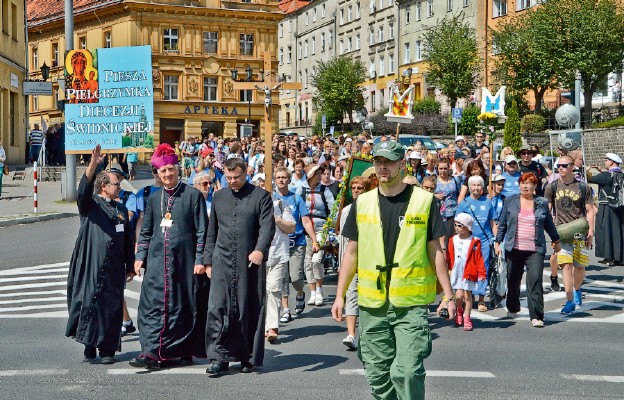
[[119, 228], [166, 223]]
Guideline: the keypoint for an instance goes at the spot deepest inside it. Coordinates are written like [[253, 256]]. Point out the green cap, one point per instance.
[[391, 150]]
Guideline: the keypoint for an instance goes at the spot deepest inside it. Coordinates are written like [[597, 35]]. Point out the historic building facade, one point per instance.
[[195, 47], [12, 75], [306, 35]]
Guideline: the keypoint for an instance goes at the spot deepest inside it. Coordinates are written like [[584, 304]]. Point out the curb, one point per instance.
[[35, 218]]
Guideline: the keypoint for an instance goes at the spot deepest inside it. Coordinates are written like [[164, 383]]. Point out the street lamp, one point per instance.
[[234, 74], [249, 72], [45, 72]]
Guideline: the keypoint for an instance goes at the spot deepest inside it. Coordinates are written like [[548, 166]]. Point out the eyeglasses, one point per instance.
[[457, 225], [563, 165], [115, 184], [357, 187], [512, 163], [205, 184]]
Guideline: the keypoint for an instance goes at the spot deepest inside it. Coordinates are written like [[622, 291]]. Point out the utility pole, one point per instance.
[[70, 163], [269, 87]]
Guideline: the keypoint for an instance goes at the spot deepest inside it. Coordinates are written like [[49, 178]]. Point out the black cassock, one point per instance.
[[97, 270], [609, 229], [173, 303], [240, 222]]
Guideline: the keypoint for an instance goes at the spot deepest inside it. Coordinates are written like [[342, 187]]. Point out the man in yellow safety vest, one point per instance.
[[394, 245]]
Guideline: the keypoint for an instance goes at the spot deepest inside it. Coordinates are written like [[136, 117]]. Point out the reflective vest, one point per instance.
[[413, 280]]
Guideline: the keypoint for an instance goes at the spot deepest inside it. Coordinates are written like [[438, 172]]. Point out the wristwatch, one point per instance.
[[447, 300]]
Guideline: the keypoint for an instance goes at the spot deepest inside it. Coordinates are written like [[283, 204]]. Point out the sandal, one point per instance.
[[286, 317], [482, 307], [271, 335]]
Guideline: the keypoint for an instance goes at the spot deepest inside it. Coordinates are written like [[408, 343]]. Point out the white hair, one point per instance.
[[200, 176], [476, 179]]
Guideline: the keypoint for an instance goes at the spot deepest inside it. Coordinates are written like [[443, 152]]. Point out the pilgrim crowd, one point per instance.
[[207, 208]]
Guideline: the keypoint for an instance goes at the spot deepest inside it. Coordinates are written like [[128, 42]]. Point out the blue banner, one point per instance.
[[109, 95]]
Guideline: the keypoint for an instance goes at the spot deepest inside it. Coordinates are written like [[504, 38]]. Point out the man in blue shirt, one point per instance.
[[296, 275], [511, 175]]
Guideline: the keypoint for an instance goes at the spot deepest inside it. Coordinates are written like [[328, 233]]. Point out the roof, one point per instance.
[[291, 6], [37, 10]]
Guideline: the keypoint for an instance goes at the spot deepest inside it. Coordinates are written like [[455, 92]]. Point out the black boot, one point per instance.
[[217, 368]]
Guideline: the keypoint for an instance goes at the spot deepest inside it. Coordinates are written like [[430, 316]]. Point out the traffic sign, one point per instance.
[[456, 113], [324, 121]]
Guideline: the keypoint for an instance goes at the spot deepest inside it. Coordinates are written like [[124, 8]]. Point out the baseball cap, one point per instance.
[[465, 219], [510, 158], [116, 169], [460, 137], [497, 178], [614, 157], [390, 150]]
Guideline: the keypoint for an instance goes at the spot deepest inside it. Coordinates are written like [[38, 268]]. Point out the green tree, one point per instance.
[[512, 137], [469, 123], [584, 36], [339, 87], [524, 60], [453, 57]]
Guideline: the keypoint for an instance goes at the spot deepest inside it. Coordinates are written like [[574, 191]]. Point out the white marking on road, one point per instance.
[[37, 372], [3, 273], [37, 307], [33, 278], [43, 293], [32, 285], [173, 371], [35, 267], [594, 378], [52, 314], [432, 373], [44, 299]]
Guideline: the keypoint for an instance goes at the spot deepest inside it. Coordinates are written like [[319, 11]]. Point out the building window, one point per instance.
[[391, 27], [418, 10], [305, 49], [35, 103], [171, 87], [371, 37], [372, 7], [5, 16], [305, 77], [499, 8], [323, 11], [341, 16], [55, 54], [245, 95], [341, 47], [13, 118], [211, 42], [210, 89], [524, 4], [357, 10], [300, 76], [381, 4], [330, 39], [314, 15], [246, 44], [170, 39], [466, 3], [357, 41], [350, 13], [382, 98], [418, 50], [281, 56], [289, 55], [407, 15], [429, 8], [382, 66], [495, 49], [373, 102], [299, 50], [313, 49], [381, 34], [307, 18], [449, 5], [391, 64], [281, 30], [82, 42], [349, 44], [371, 68], [323, 41], [108, 40], [35, 59], [406, 53]]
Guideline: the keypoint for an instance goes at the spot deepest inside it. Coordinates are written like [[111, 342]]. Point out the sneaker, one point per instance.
[[312, 300], [300, 303], [537, 323], [512, 315], [568, 308], [554, 284], [127, 328], [459, 317], [578, 298], [467, 324], [350, 342], [286, 317], [319, 300], [108, 360]]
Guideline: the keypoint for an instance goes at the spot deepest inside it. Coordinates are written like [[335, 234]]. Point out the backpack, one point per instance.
[[616, 198], [553, 192]]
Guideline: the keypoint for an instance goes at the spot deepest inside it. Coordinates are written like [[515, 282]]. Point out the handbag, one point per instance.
[[568, 230], [5, 170]]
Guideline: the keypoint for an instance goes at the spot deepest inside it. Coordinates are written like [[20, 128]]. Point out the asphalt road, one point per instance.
[[572, 358]]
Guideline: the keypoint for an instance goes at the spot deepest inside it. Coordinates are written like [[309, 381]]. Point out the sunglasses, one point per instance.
[[457, 225], [512, 163], [205, 184], [563, 165], [526, 153], [357, 187]]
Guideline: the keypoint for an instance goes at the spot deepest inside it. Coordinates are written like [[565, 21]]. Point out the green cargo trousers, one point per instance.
[[394, 342]]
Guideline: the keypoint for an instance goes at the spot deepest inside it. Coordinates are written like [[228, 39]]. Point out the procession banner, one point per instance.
[[109, 99]]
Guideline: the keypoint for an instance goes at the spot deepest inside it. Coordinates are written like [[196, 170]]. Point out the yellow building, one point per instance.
[[12, 75], [195, 46]]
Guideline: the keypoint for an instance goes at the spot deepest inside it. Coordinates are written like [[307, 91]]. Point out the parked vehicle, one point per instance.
[[410, 140]]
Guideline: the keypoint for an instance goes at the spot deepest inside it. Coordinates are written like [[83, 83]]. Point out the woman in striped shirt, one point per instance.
[[522, 223]]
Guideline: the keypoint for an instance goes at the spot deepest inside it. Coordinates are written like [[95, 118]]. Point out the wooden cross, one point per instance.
[[268, 86]]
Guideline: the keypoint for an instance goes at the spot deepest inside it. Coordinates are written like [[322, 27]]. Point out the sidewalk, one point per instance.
[[17, 205]]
